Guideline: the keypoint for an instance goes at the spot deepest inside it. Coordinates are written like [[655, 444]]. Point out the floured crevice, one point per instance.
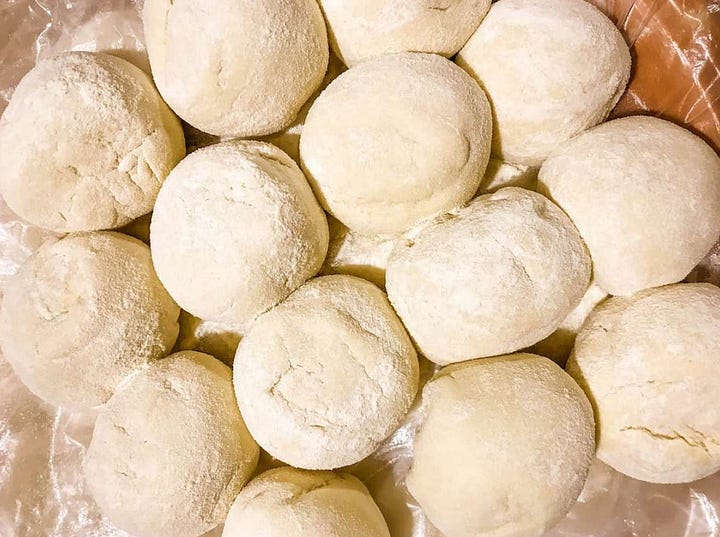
[[697, 440]]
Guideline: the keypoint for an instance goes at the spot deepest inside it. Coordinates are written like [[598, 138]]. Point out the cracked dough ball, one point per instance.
[[551, 68], [286, 501], [504, 448], [85, 143], [395, 140], [235, 230], [491, 278], [170, 451], [82, 314], [323, 378], [364, 29], [645, 196], [236, 68], [649, 365], [216, 339]]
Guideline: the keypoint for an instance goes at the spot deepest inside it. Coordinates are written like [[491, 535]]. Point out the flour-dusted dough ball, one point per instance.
[[289, 502], [491, 278], [649, 364], [170, 451], [504, 448], [501, 174], [236, 67], [645, 196], [395, 140], [551, 68], [216, 339], [323, 378], [235, 230], [82, 314], [364, 29], [85, 143]]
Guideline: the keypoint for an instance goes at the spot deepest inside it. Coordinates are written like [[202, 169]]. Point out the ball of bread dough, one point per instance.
[[364, 29], [85, 143], [645, 196], [649, 365], [235, 230], [82, 314], [395, 140], [491, 278], [237, 67], [504, 448], [170, 451], [323, 378], [286, 501], [551, 68], [216, 339]]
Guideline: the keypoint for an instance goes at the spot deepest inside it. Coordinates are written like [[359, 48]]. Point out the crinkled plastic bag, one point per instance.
[[42, 493]]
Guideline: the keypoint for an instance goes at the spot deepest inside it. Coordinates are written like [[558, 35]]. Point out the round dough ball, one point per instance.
[[395, 140], [82, 314], [504, 448], [239, 67], [323, 378], [649, 365], [235, 230], [170, 451], [645, 196], [216, 339], [488, 279], [364, 29], [551, 68], [85, 143], [286, 501]]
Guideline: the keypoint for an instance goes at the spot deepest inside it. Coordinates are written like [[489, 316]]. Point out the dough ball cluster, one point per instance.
[[82, 314], [323, 378], [170, 451], [648, 363], [236, 68], [85, 143], [286, 501], [504, 447], [235, 230], [491, 278]]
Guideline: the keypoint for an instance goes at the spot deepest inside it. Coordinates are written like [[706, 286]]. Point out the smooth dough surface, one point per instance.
[[645, 196], [504, 448], [216, 339], [324, 377], [236, 68], [649, 365], [551, 68], [286, 501], [82, 314], [85, 143], [170, 451], [491, 278], [364, 29], [395, 140], [235, 230]]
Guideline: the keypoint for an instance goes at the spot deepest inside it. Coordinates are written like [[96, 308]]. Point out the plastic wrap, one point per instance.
[[42, 493]]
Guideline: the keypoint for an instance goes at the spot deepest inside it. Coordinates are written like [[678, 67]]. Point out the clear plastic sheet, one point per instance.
[[42, 494]]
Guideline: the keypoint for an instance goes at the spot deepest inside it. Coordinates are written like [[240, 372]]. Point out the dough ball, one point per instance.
[[323, 378], [83, 313], [504, 448], [395, 140], [216, 339], [501, 174], [286, 501], [364, 29], [491, 278], [649, 365], [235, 230], [170, 451], [551, 68], [645, 196], [238, 67], [364, 256], [85, 143]]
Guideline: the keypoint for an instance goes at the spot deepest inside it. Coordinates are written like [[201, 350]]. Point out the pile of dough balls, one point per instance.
[[369, 185]]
